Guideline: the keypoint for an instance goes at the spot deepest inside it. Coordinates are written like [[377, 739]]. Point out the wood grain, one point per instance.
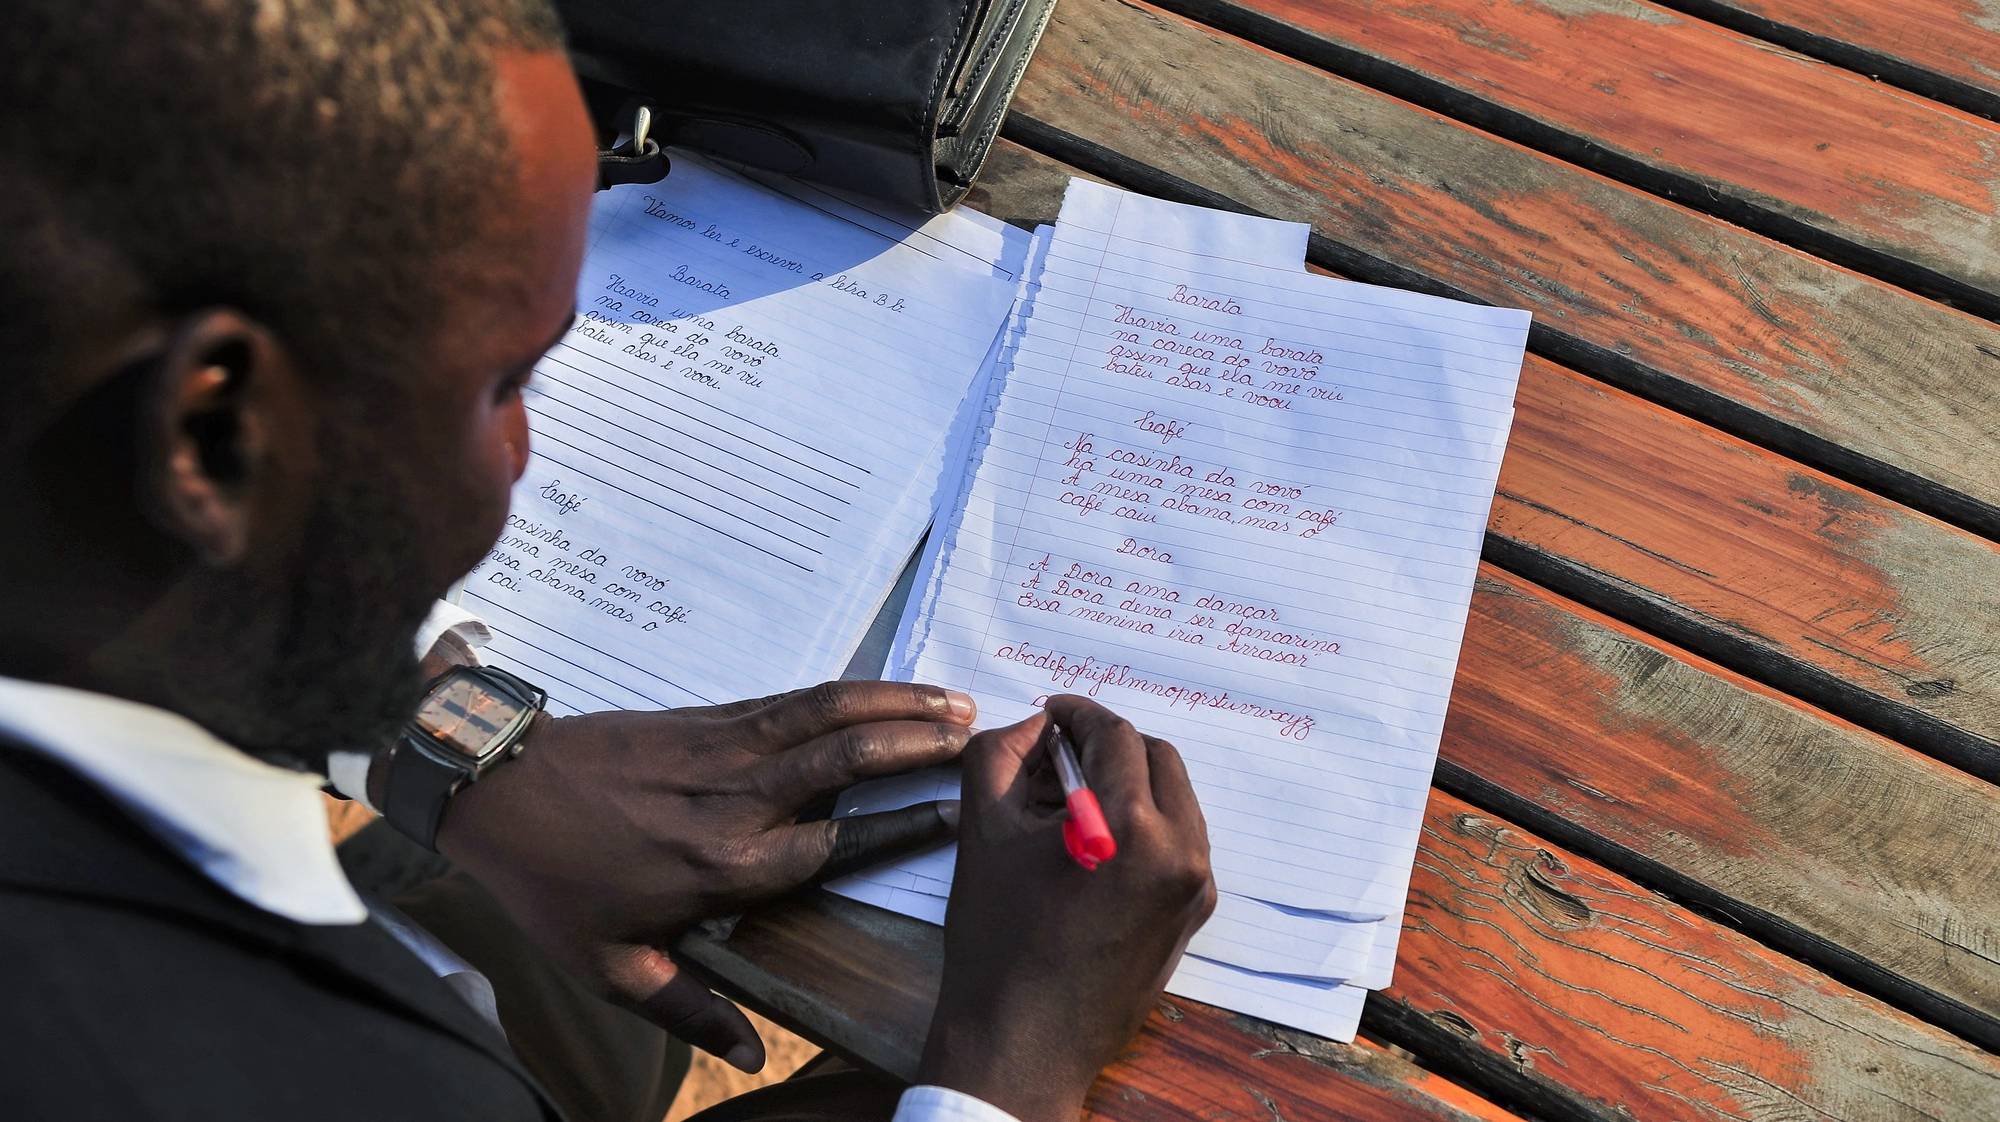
[[1844, 848], [1809, 153], [1827, 591], [1845, 372], [1946, 49], [862, 982], [1858, 604], [1574, 991], [1570, 985]]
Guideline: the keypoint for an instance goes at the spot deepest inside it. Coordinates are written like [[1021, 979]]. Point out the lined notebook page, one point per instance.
[[1243, 506], [739, 442]]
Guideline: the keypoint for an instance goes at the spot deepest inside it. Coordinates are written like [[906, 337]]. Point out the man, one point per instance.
[[273, 274]]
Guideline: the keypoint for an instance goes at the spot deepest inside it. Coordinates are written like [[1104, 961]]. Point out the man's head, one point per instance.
[[272, 275]]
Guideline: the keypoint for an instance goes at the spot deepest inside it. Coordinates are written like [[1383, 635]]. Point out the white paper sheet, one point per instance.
[[740, 442], [1242, 505]]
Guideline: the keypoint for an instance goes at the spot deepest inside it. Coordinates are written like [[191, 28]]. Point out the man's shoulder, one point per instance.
[[61, 836], [120, 1011], [137, 988]]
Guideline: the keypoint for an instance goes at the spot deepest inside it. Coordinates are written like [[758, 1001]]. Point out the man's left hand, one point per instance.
[[615, 832]]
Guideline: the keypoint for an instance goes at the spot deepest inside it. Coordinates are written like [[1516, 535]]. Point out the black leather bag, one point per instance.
[[899, 99]]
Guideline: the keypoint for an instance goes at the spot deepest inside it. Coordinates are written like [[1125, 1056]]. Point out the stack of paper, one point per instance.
[[1242, 505]]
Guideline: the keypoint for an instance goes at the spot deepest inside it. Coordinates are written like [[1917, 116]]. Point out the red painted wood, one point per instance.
[[1958, 39], [1556, 972], [1861, 848], [1746, 551], [1730, 116]]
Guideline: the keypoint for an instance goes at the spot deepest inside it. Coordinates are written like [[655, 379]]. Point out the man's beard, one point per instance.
[[337, 669]]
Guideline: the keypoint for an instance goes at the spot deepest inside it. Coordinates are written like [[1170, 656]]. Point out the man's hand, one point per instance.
[[615, 832], [1049, 969]]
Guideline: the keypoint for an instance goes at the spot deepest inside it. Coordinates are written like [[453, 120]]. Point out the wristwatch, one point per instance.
[[472, 718]]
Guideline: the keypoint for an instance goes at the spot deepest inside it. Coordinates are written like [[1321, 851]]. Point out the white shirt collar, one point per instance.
[[258, 830]]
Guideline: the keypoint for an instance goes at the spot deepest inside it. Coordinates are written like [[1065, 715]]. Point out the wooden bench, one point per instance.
[[1715, 832]]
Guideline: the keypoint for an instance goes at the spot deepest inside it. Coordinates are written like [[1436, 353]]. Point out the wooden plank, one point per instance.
[[1583, 994], [1839, 846], [863, 981], [1946, 49], [1827, 591], [1857, 172], [1840, 370], [1832, 593]]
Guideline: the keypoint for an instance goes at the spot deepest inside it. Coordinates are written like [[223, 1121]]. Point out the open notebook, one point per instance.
[[1239, 503], [740, 441]]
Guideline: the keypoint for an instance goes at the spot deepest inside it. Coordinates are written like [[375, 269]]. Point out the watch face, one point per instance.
[[464, 715]]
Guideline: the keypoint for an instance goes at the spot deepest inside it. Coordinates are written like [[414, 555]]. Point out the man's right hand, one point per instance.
[[1049, 969]]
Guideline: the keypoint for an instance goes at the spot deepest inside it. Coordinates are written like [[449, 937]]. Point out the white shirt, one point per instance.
[[260, 832]]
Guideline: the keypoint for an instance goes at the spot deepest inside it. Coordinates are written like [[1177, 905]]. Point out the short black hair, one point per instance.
[[305, 161]]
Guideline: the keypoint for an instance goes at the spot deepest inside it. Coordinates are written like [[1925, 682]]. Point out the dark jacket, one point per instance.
[[132, 987]]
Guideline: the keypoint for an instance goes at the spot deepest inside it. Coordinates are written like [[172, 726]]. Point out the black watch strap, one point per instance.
[[422, 774], [419, 786]]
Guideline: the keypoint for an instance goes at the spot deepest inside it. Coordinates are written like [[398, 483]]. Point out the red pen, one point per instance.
[[1086, 834]]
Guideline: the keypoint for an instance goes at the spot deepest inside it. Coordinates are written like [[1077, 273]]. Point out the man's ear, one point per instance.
[[221, 403]]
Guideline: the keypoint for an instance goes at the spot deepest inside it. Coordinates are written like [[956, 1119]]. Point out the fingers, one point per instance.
[[730, 709], [1114, 755], [839, 846], [661, 991], [809, 713], [1173, 791], [839, 759], [996, 762]]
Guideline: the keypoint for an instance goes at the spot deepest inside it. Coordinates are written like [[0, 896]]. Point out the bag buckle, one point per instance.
[[635, 157]]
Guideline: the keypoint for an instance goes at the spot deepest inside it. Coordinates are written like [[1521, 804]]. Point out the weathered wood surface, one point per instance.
[[1522, 966], [1590, 996], [1847, 372], [1805, 857], [1871, 861], [1946, 49], [1812, 154], [863, 981], [1829, 591], [1823, 589]]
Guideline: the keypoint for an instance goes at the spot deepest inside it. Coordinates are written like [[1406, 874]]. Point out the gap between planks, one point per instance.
[[1858, 57]]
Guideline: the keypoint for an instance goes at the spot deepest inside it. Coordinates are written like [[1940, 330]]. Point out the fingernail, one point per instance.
[[746, 1058], [960, 706], [947, 810]]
